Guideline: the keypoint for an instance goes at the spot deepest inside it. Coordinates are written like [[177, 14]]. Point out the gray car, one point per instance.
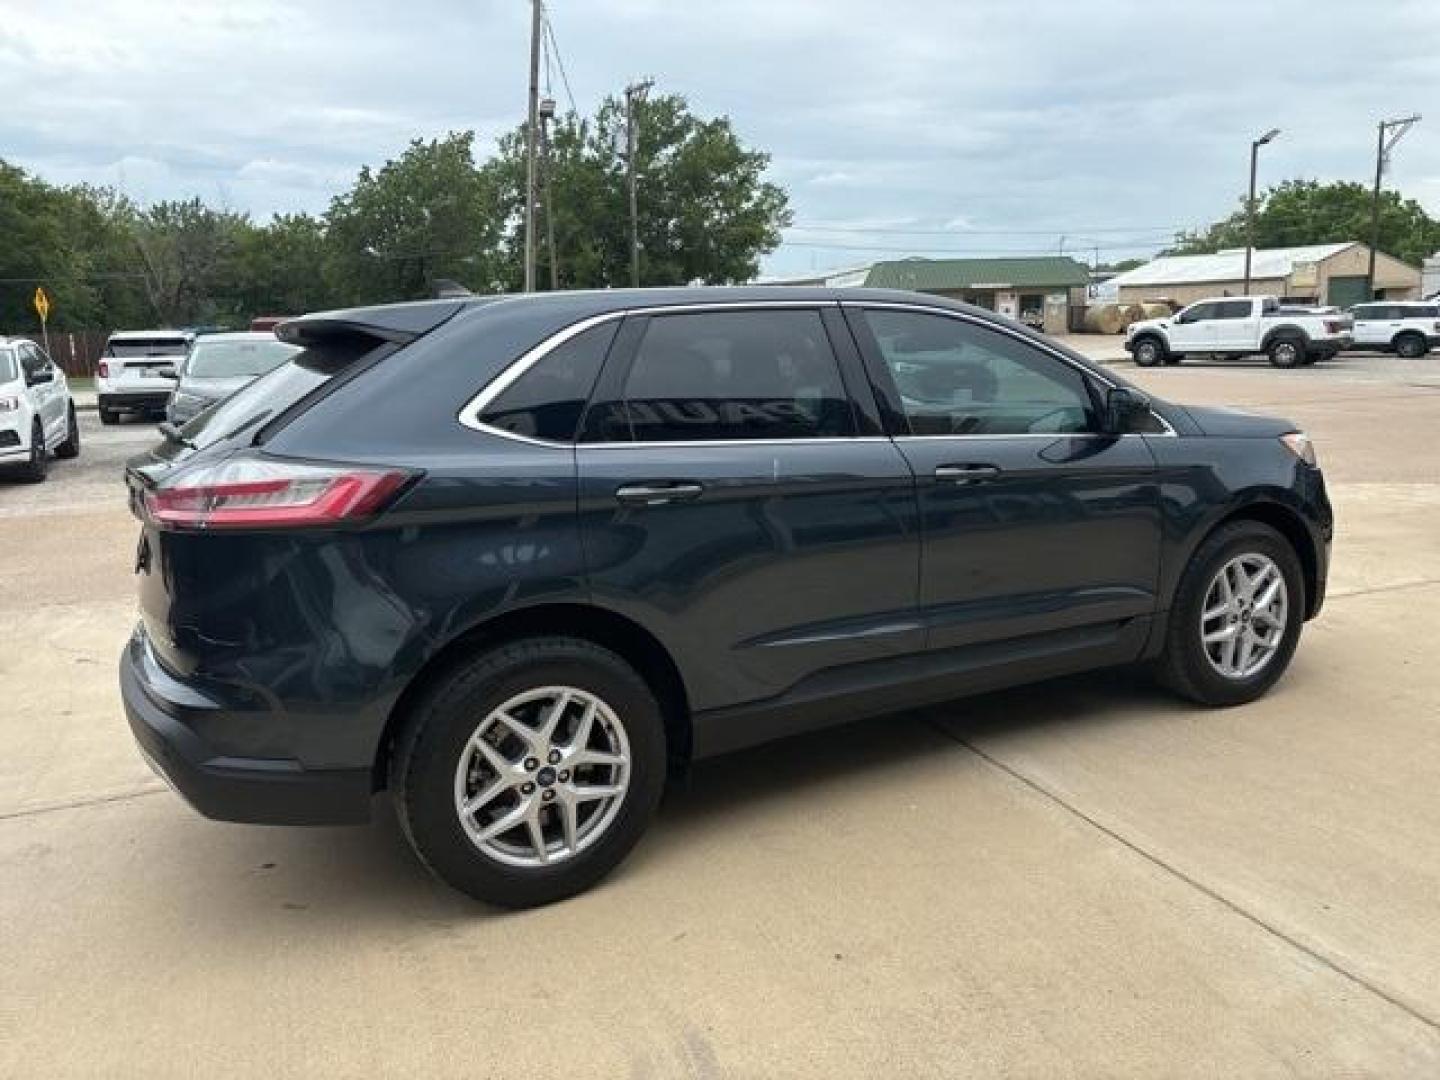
[[217, 365]]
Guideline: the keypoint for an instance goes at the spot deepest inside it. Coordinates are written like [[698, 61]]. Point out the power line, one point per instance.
[[1066, 230], [560, 63], [916, 249]]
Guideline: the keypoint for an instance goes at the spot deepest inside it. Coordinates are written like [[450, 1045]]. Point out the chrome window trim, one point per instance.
[[1039, 346], [469, 415]]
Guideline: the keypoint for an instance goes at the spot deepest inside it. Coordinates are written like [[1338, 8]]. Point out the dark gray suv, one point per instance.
[[518, 559]]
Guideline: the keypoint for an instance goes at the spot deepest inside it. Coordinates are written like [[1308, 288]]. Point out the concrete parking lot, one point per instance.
[[1087, 878]]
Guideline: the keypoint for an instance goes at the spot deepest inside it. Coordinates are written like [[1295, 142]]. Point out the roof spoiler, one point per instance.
[[398, 323]]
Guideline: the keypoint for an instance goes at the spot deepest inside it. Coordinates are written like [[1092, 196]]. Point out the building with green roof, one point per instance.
[[1040, 290]]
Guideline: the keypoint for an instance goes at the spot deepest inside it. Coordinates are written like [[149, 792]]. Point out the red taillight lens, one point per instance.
[[271, 494], [104, 370]]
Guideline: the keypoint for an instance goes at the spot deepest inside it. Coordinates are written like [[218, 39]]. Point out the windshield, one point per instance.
[[231, 359], [132, 348]]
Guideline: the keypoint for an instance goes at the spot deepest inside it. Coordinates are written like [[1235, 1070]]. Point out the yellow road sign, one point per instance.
[[42, 304]]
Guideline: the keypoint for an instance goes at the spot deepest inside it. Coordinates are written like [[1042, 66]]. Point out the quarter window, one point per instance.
[[957, 378], [735, 375], [546, 402]]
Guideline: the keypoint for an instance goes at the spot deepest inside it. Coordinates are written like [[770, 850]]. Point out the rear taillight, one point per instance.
[[104, 370], [271, 494]]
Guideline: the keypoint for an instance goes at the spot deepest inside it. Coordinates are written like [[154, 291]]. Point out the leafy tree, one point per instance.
[[428, 214], [280, 267], [188, 254], [1300, 212], [705, 211]]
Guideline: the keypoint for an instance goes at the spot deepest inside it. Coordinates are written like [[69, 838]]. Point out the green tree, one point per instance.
[[188, 254], [706, 212], [280, 267], [428, 214], [1300, 212]]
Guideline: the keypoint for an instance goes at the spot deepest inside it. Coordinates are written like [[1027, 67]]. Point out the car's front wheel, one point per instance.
[[1236, 617], [529, 772], [1149, 352]]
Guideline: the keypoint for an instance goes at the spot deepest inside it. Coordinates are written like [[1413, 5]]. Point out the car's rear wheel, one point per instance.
[[529, 772], [1410, 346], [70, 447], [1286, 352], [37, 465], [1149, 352], [1236, 617]]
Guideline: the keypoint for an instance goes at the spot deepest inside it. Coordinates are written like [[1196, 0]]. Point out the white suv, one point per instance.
[[138, 371], [1409, 328], [37, 413]]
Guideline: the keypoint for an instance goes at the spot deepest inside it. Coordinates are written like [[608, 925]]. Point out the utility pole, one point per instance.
[[634, 97], [530, 138], [1384, 143], [547, 113], [1250, 203]]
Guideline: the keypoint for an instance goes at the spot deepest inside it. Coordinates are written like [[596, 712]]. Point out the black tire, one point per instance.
[[1149, 351], [1286, 351], [70, 448], [440, 726], [1183, 665], [37, 466], [109, 417], [1411, 346]]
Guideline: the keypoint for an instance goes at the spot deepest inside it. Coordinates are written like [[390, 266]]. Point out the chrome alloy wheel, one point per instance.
[[542, 776], [1242, 621]]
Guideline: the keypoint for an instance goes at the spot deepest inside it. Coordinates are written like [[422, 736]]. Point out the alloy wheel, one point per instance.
[[1243, 619], [543, 776]]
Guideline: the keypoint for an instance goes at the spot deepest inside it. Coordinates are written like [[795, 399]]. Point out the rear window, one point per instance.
[[243, 413], [138, 348], [234, 359]]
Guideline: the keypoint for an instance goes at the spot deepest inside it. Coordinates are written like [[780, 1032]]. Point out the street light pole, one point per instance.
[[1384, 143], [530, 137], [634, 95], [1250, 202]]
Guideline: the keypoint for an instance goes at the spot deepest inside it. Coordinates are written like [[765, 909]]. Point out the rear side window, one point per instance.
[[243, 413], [736, 375], [1233, 309], [547, 401]]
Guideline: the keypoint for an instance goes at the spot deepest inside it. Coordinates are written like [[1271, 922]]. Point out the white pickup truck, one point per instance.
[[1240, 326]]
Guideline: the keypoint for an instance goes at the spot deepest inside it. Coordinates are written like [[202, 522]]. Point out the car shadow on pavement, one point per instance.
[[339, 880]]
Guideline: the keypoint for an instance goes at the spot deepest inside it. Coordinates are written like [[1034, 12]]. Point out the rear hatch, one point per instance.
[[144, 362], [199, 571]]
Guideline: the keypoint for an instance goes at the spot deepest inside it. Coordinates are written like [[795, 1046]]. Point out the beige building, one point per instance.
[[1317, 274]]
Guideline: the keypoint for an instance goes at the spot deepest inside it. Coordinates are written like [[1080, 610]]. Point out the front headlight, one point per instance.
[[1300, 445]]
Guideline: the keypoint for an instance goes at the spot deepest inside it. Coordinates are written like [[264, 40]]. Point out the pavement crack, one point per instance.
[[1394, 586], [74, 804], [1190, 880]]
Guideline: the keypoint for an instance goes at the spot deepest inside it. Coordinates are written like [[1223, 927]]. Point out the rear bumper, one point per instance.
[[132, 400], [257, 791]]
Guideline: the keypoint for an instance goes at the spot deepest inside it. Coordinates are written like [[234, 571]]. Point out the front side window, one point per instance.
[[957, 378], [32, 360], [736, 375], [1199, 313], [546, 402]]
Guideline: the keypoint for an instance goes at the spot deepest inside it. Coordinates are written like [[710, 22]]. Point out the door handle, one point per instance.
[[966, 474], [659, 493]]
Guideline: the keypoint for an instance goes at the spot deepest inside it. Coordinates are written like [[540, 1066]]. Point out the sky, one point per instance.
[[898, 127]]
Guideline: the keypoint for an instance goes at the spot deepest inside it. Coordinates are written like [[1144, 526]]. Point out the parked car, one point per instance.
[[137, 372], [1239, 326], [517, 559], [37, 413], [1408, 328], [217, 365]]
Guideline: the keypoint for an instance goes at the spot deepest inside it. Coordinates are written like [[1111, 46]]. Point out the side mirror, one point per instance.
[[1126, 410]]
